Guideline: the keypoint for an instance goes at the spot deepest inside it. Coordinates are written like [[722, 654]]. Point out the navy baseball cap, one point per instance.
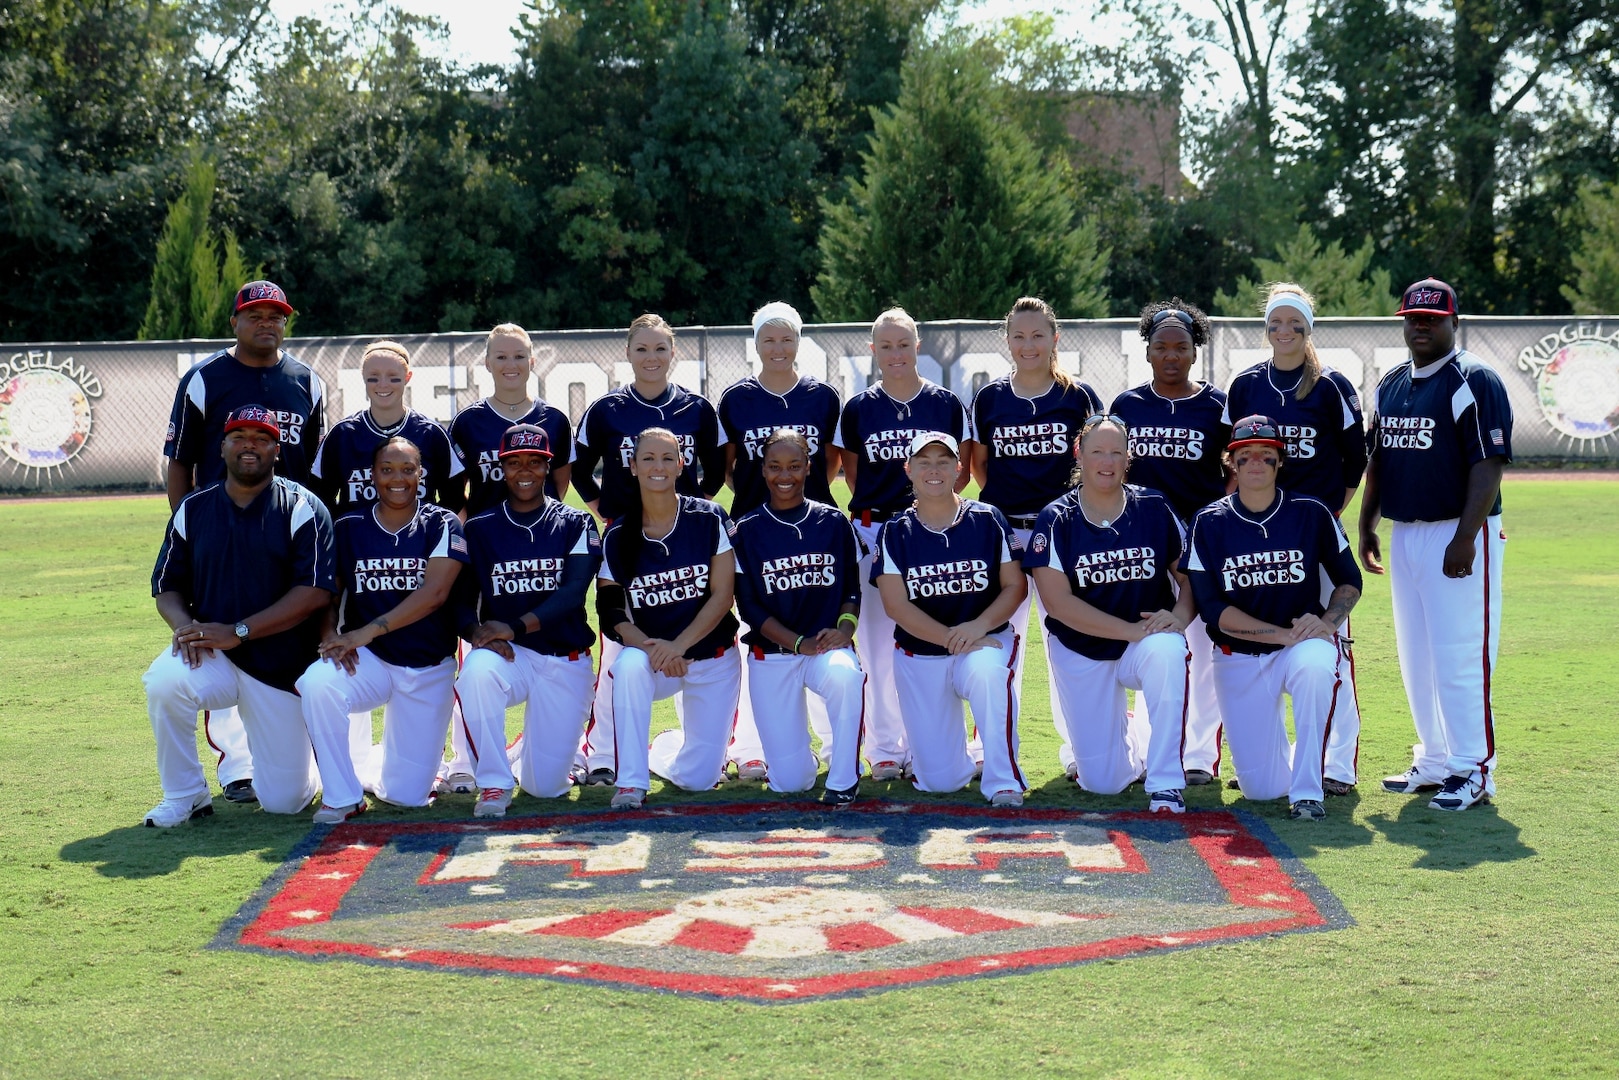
[[525, 439], [927, 438], [1256, 430], [1430, 296], [262, 292], [253, 416]]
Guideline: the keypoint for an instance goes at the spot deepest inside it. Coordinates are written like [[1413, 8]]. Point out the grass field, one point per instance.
[[1484, 943]]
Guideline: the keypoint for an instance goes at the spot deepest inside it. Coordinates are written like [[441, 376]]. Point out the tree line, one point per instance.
[[697, 157]]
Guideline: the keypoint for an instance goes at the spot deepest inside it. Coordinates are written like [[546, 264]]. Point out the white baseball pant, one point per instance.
[[886, 738], [691, 756], [1111, 745], [228, 738], [1202, 747], [461, 756], [272, 726], [1449, 632], [1250, 690], [746, 745], [416, 713], [1027, 611], [556, 692], [778, 683], [1343, 745], [596, 745], [932, 690]]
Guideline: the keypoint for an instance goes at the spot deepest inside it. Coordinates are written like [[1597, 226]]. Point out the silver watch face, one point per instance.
[[241, 630]]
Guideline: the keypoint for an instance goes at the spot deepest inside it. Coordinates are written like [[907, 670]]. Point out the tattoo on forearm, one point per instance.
[[1342, 602], [381, 624], [1254, 633]]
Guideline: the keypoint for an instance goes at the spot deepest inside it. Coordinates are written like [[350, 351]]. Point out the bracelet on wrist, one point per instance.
[[852, 619], [797, 643]]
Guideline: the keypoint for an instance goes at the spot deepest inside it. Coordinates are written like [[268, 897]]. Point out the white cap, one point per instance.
[[777, 311], [928, 438]]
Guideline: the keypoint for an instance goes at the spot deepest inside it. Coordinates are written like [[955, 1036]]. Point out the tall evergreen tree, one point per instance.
[[1342, 283]]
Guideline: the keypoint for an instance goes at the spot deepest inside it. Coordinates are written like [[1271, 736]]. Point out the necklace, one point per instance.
[[511, 408], [1106, 522]]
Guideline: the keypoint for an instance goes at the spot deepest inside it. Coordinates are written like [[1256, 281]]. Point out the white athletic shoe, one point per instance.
[[887, 770], [461, 783], [1462, 791], [1166, 802], [628, 798], [1006, 798], [1071, 770], [1409, 783], [752, 770], [1307, 810], [336, 815], [171, 812], [492, 802]]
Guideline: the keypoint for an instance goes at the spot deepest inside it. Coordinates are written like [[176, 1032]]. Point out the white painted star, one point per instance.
[[989, 963], [897, 808], [360, 847], [394, 954], [306, 913], [826, 879], [487, 890], [1170, 940], [783, 988], [1075, 879], [1271, 898], [335, 875], [570, 885], [915, 879], [1092, 815], [656, 882], [566, 969], [1222, 832], [740, 880], [664, 813], [997, 879], [1242, 862]]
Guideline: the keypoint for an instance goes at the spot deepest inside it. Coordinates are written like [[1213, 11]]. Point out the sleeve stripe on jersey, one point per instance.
[[1461, 400], [302, 512], [441, 550]]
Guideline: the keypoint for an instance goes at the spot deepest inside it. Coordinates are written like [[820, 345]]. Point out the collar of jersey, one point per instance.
[[668, 396], [780, 397], [403, 528], [1252, 519], [1203, 388], [1428, 371], [961, 511]]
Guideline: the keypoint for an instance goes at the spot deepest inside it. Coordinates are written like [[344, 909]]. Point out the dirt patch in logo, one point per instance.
[[776, 902]]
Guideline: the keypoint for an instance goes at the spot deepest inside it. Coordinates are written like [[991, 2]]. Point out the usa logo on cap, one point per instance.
[[253, 416], [263, 292], [525, 439], [1430, 296]]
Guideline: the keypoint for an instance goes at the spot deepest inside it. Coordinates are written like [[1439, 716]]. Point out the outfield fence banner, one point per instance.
[[90, 415]]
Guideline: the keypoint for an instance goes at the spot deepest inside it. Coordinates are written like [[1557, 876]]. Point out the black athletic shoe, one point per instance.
[[1336, 787], [241, 791], [601, 778], [833, 799], [1307, 810], [1198, 777]]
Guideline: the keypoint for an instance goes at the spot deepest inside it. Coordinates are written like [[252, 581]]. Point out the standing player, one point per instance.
[[665, 592], [533, 559], [1024, 425], [1177, 428], [607, 434], [1255, 561], [389, 641], [1441, 438], [476, 431], [253, 371], [874, 436], [949, 575], [750, 412], [245, 571], [799, 593], [1318, 414], [1104, 559]]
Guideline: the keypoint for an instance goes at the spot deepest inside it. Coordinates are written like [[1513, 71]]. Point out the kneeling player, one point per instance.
[[949, 575], [397, 561], [798, 588], [1255, 561], [1102, 557], [664, 594], [533, 559]]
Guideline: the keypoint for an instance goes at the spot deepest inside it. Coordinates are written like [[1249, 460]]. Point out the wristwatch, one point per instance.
[[241, 631]]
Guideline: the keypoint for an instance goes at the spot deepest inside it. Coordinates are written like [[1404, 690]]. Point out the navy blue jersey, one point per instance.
[[1430, 430], [475, 433], [522, 561], [214, 387], [1267, 565], [1122, 569], [378, 569], [800, 566], [608, 431], [1175, 446], [231, 562], [749, 414], [1325, 433], [669, 581], [953, 575], [878, 429], [341, 473], [1030, 442]]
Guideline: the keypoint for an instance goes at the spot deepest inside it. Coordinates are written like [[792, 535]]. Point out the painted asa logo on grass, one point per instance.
[[780, 902]]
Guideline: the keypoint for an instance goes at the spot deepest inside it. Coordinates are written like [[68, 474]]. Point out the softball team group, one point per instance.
[[1182, 544]]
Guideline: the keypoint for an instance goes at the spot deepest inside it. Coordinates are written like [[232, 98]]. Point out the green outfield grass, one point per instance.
[[1483, 943]]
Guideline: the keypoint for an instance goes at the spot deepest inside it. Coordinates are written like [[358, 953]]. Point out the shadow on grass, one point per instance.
[[1450, 841], [136, 851]]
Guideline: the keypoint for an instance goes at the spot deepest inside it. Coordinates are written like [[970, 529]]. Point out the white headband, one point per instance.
[[1292, 300], [777, 311]]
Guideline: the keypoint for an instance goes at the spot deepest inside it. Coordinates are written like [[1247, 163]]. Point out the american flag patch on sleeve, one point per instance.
[[458, 543], [1498, 437]]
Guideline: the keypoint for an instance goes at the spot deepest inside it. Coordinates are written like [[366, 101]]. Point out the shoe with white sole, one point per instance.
[[1329, 786], [752, 770], [1307, 810], [171, 812], [240, 791], [603, 777], [1461, 792], [492, 802], [887, 770], [336, 815], [1071, 770], [628, 798], [1006, 798], [1166, 802], [1409, 783], [1198, 777], [461, 783], [839, 800]]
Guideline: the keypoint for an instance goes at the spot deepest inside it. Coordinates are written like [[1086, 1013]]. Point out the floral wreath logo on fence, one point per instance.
[[1576, 374], [45, 415]]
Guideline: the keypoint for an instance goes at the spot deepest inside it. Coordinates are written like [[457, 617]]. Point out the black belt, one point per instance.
[[870, 517], [1021, 521]]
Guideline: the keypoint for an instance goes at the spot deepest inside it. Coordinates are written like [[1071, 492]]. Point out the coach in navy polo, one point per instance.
[[245, 572]]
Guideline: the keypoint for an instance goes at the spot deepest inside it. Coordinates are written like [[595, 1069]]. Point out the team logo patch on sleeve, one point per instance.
[[1037, 543], [771, 902]]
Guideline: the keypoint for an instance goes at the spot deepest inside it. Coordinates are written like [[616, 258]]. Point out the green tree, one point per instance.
[[1343, 283], [955, 215], [1596, 259]]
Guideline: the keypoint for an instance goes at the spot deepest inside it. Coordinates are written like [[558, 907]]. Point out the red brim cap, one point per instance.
[[1275, 444], [262, 425], [1429, 296]]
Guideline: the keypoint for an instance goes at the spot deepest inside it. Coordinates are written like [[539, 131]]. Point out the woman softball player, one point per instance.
[[1318, 414], [949, 575], [1024, 425], [390, 641], [874, 436], [607, 434], [1177, 428], [664, 596], [1104, 559], [1255, 561], [533, 560], [750, 412], [798, 588]]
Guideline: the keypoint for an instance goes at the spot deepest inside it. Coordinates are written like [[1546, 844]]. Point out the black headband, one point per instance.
[[1184, 318]]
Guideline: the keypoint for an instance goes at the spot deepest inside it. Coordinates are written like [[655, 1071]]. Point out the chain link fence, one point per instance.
[[88, 416]]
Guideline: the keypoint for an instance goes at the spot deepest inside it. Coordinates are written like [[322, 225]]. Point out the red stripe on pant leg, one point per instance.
[[1348, 653], [595, 688], [1332, 710], [1489, 717], [472, 747], [1011, 713], [615, 733], [1186, 712], [206, 734]]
